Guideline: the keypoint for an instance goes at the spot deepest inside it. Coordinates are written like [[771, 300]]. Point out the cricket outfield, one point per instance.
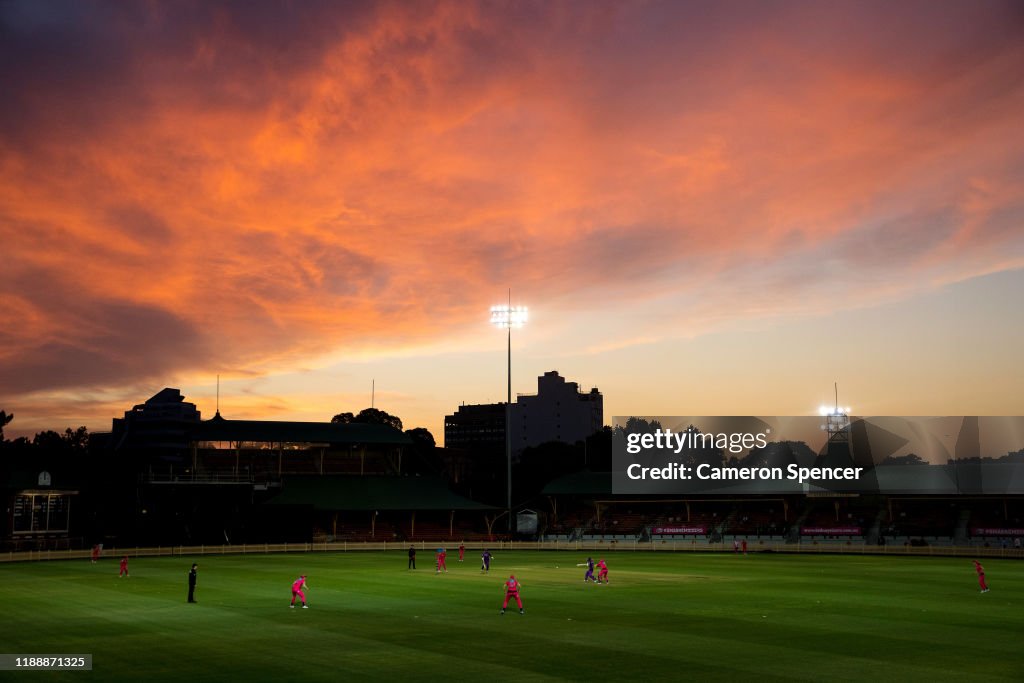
[[665, 616]]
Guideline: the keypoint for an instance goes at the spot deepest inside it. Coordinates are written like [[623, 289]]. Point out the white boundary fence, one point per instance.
[[814, 547]]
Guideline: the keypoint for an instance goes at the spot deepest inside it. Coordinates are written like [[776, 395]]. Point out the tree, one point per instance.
[[538, 465], [638, 425], [77, 440], [49, 442], [909, 459], [374, 416], [421, 438], [5, 419], [706, 453], [597, 453], [369, 416], [425, 459], [779, 454]]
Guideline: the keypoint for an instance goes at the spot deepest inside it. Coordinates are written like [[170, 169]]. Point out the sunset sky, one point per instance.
[[711, 208]]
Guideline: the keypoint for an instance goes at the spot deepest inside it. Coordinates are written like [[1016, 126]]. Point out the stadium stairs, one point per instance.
[[960, 536], [794, 531], [876, 528], [726, 523]]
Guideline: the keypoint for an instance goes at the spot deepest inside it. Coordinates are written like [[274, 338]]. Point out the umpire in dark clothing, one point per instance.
[[412, 557], [192, 583]]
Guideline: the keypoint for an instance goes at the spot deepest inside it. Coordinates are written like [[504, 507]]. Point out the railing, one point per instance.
[[205, 478], [628, 545]]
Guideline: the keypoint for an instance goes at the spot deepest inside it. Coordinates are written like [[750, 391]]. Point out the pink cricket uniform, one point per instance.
[[297, 587], [124, 567], [512, 591], [981, 575], [602, 571]]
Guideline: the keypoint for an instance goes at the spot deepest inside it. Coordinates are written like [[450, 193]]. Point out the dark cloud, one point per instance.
[[102, 344], [140, 225], [72, 69]]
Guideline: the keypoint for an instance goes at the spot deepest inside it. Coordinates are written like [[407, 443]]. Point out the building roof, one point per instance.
[[219, 429], [372, 493]]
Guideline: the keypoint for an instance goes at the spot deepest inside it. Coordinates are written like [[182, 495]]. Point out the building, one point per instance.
[[162, 424], [559, 411], [478, 428], [170, 475]]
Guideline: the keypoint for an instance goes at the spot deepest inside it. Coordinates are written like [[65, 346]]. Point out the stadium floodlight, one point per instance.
[[507, 317]]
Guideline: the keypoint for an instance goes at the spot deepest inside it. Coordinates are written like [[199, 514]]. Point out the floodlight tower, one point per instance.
[[837, 421], [508, 316]]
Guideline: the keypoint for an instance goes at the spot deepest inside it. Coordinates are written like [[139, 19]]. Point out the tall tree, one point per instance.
[[425, 460], [369, 416], [77, 440], [374, 416], [422, 438], [5, 419]]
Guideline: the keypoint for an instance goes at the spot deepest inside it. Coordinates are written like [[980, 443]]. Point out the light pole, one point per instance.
[[508, 316]]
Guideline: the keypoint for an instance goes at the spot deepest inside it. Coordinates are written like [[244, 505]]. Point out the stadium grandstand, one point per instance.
[[163, 476]]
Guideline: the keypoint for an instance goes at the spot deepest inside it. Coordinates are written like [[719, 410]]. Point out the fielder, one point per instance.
[[298, 587], [512, 591]]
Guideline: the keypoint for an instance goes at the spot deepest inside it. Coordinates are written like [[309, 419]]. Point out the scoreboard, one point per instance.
[[41, 513]]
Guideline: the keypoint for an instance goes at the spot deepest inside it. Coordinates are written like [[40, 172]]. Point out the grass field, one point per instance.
[[664, 617]]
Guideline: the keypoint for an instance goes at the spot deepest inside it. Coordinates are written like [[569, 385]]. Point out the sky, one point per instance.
[[711, 208]]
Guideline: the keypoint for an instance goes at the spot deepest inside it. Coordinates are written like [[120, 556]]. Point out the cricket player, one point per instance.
[[512, 591], [981, 576], [462, 551], [485, 561], [602, 571], [589, 576], [441, 555], [124, 567], [297, 591]]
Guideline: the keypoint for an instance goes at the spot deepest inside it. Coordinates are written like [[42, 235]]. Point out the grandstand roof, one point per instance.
[[966, 477], [583, 483], [373, 493], [219, 429]]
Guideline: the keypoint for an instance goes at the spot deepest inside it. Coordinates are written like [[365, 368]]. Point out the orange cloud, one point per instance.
[[207, 187]]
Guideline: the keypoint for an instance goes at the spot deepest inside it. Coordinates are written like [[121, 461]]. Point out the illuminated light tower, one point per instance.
[[508, 317], [837, 421], [837, 424]]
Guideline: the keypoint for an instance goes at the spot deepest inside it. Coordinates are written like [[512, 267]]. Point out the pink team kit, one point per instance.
[[297, 591]]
